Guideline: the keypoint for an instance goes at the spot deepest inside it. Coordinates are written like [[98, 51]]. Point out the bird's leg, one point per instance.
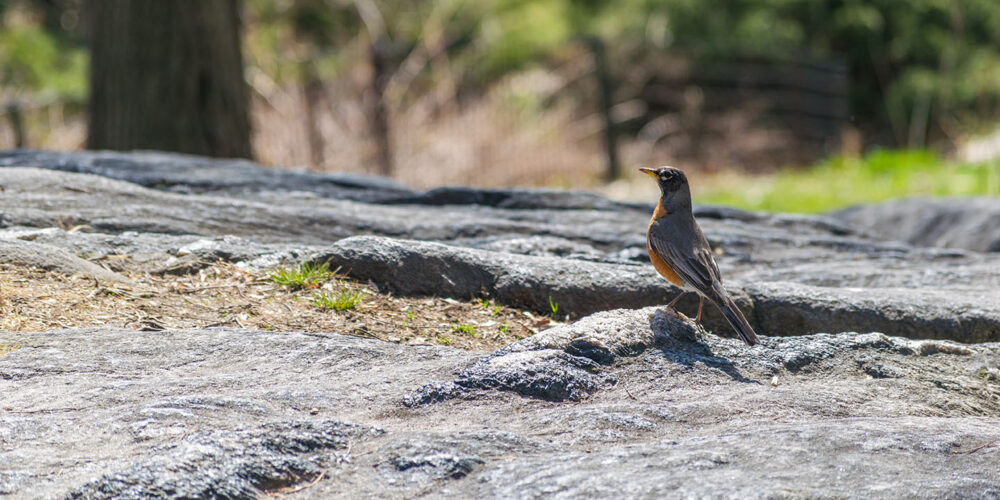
[[701, 302], [672, 302]]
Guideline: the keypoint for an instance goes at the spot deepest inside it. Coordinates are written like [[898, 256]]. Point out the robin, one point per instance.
[[680, 252]]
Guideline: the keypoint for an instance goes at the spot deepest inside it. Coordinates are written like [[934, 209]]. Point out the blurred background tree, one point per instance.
[[502, 92], [167, 76]]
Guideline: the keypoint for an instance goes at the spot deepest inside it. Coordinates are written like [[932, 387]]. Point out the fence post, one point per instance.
[[604, 92]]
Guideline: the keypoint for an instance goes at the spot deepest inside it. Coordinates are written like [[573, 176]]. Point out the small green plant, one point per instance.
[[554, 307], [410, 316], [989, 374], [341, 301], [304, 276], [496, 310], [466, 329], [504, 328], [485, 304], [444, 341]]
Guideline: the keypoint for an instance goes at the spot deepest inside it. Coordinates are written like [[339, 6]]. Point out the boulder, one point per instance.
[[194, 174], [25, 253], [969, 223], [580, 287]]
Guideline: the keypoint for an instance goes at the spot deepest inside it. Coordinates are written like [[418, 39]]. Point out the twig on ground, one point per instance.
[[977, 448], [295, 489]]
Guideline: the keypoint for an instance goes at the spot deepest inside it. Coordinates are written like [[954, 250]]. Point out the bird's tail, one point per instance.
[[737, 321]]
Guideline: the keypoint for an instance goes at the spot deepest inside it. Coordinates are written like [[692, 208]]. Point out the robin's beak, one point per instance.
[[648, 171]]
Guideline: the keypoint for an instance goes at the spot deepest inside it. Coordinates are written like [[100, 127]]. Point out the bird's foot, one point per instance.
[[675, 313]]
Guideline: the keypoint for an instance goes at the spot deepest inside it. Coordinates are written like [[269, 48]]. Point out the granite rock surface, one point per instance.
[[878, 375]]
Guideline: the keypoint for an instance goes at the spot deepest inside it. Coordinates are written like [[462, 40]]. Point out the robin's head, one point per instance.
[[670, 179], [673, 185]]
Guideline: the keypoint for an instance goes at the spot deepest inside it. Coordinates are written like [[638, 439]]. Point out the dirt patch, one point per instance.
[[5, 348], [33, 299]]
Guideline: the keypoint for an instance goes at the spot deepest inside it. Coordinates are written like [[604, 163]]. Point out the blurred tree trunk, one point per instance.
[[378, 115], [168, 75], [52, 11], [604, 92], [313, 93]]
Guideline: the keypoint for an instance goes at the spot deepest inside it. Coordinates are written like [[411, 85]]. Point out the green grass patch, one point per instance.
[[340, 301], [466, 329], [989, 374], [839, 182], [304, 276], [489, 305]]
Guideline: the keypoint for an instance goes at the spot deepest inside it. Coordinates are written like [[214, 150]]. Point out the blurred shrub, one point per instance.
[[34, 59], [920, 69]]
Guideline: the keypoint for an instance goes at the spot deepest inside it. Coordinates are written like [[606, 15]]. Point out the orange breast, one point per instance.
[[661, 267]]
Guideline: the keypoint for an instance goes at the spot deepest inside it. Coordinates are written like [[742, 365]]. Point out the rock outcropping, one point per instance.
[[973, 224], [622, 403], [791, 274], [626, 401]]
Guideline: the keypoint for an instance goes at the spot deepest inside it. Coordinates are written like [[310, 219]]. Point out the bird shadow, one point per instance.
[[679, 342]]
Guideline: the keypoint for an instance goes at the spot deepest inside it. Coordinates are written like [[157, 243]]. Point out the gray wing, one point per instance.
[[691, 258]]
